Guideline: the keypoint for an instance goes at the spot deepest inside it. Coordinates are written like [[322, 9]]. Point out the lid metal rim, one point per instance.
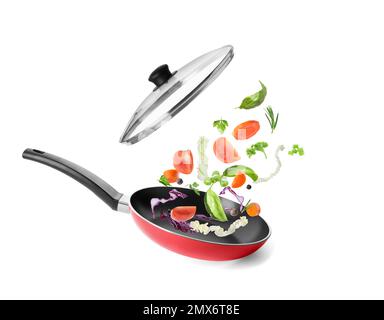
[[126, 139]]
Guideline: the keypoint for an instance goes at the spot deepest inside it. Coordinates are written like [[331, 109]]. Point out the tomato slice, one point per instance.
[[183, 213], [246, 130], [224, 151], [183, 161]]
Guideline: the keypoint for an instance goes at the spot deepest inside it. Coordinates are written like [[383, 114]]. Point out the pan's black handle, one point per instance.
[[98, 186]]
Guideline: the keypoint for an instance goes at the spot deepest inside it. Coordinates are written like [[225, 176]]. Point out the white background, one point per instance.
[[72, 72]]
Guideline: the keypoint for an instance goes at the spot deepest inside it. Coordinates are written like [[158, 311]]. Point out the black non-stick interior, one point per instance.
[[256, 229]]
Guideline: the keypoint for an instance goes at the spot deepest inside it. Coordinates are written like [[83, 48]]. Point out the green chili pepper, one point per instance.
[[232, 171], [214, 207]]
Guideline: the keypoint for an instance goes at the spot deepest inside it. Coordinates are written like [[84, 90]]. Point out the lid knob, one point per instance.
[[160, 75]]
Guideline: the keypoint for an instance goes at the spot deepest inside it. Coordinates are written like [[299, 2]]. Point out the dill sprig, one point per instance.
[[271, 117]]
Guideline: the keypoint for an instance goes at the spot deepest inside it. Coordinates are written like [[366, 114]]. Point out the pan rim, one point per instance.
[[198, 240]]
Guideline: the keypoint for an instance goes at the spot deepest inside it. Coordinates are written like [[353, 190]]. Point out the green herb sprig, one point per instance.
[[163, 180], [221, 125], [271, 117], [194, 186], [216, 177], [245, 207], [259, 146], [296, 150]]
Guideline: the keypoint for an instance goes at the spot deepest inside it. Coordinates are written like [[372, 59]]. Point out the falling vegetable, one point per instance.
[[202, 170], [183, 161], [259, 146], [213, 206], [239, 180], [253, 209], [221, 125], [223, 181], [163, 180], [232, 171], [245, 207], [239, 198], [296, 150], [183, 213], [254, 100], [216, 177], [224, 151], [271, 117], [208, 181], [246, 130], [171, 175], [194, 186]]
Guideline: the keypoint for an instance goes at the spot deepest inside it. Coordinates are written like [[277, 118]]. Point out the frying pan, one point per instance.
[[208, 247]]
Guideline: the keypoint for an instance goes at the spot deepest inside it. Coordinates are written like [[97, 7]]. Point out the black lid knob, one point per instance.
[[160, 75]]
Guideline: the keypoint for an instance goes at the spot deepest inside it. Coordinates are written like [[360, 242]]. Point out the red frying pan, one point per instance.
[[208, 247]]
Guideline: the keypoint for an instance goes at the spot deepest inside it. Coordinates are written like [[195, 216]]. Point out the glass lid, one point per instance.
[[173, 92]]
